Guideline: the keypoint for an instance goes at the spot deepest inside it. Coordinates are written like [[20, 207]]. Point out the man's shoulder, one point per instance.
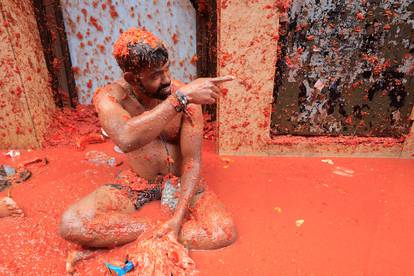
[[114, 89]]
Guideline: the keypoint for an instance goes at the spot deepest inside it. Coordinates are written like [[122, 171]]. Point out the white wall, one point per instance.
[[95, 62]]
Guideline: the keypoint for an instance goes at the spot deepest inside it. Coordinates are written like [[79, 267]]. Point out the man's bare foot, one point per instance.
[[75, 256], [8, 207]]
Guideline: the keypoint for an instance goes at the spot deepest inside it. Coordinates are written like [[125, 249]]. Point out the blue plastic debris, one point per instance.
[[120, 271]]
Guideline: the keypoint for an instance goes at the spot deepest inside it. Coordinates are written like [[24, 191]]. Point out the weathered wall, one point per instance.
[[26, 98], [93, 26], [247, 50]]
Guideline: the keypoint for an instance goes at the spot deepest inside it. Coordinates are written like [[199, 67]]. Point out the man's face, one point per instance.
[[156, 82]]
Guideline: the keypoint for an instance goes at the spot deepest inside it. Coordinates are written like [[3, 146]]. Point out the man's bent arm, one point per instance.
[[190, 141], [131, 133]]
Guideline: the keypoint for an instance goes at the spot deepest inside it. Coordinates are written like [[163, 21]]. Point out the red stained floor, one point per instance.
[[358, 224]]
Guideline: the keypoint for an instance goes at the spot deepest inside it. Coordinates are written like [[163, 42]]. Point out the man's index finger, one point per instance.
[[218, 80]]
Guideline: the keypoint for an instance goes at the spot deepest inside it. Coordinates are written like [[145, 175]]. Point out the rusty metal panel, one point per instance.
[[345, 68], [93, 26]]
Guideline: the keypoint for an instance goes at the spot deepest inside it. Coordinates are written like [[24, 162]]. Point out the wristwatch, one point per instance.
[[183, 100]]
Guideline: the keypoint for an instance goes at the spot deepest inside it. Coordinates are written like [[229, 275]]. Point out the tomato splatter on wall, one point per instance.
[[93, 26], [344, 69], [26, 102]]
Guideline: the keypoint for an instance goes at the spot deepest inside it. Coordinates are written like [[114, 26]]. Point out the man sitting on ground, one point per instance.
[[158, 124]]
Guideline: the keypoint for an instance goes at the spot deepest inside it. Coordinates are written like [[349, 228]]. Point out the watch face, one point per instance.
[[182, 100]]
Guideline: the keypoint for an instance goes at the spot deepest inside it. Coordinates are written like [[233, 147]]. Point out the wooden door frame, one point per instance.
[[49, 18]]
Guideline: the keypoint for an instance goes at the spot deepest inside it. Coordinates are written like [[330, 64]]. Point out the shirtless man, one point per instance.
[[152, 119]]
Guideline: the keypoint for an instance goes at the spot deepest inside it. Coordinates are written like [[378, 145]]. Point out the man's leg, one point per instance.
[[209, 226], [102, 219]]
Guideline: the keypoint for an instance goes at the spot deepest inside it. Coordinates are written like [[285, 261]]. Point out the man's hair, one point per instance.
[[138, 49]]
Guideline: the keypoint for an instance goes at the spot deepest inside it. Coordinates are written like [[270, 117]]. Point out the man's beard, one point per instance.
[[163, 92], [160, 94]]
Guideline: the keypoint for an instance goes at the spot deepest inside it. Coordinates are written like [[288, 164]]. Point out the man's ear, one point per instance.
[[130, 78]]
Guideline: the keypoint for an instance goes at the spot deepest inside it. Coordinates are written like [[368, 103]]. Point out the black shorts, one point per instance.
[[139, 197], [168, 195]]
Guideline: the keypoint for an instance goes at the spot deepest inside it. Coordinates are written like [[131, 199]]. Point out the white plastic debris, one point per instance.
[[118, 149], [343, 171], [101, 158], [299, 222], [13, 153], [328, 161], [104, 133]]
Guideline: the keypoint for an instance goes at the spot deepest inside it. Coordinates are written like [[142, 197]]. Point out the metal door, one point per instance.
[[345, 68]]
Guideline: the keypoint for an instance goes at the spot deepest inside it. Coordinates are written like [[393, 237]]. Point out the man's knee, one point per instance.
[[215, 233], [224, 232], [71, 227]]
